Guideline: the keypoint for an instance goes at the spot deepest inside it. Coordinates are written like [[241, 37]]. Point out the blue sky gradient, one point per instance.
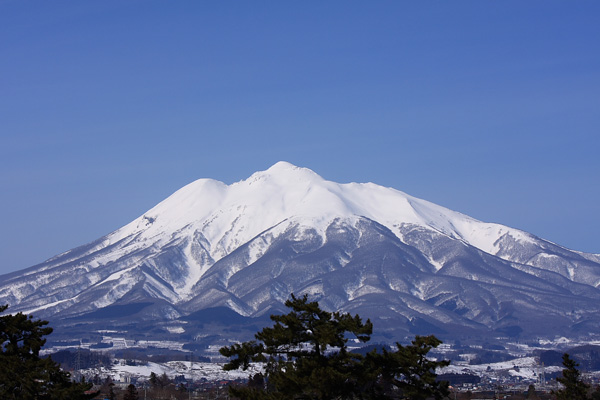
[[107, 107]]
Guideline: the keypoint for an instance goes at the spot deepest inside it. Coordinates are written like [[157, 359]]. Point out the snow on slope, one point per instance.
[[207, 220], [229, 216]]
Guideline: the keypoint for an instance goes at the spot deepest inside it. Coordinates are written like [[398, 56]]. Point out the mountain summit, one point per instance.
[[406, 263]]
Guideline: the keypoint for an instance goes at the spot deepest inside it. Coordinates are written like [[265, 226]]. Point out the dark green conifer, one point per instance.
[[23, 373], [131, 393], [596, 393], [305, 352], [154, 380], [306, 357], [407, 373], [573, 387], [111, 392]]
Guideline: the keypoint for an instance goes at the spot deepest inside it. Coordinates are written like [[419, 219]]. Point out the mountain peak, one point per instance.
[[232, 214], [283, 166], [285, 172], [356, 246]]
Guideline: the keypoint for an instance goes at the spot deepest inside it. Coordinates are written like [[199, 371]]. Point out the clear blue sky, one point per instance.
[[107, 107]]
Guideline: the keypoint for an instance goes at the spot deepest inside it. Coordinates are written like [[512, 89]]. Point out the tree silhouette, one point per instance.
[[531, 392], [131, 393], [306, 357], [573, 387], [23, 373], [305, 353], [596, 393], [407, 372]]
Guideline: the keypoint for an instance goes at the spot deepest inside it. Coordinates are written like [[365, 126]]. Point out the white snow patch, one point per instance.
[[231, 215], [116, 276], [190, 370]]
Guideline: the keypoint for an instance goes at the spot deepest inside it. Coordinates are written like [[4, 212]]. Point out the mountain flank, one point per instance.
[[214, 260]]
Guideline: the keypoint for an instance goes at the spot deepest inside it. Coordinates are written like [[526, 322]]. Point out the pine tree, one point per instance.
[[407, 372], [596, 393], [531, 392], [306, 357], [131, 393], [573, 387], [107, 388], [305, 353], [23, 373], [164, 380], [154, 380], [181, 388], [111, 392]]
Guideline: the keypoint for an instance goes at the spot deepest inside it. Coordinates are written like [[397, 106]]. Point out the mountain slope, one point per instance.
[[408, 264]]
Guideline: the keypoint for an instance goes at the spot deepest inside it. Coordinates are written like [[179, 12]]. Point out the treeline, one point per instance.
[[587, 356], [73, 359]]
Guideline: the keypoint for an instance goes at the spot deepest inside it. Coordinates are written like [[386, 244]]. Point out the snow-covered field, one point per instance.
[[526, 368], [121, 372], [522, 367]]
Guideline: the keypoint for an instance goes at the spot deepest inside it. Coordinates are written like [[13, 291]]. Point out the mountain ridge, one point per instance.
[[356, 247]]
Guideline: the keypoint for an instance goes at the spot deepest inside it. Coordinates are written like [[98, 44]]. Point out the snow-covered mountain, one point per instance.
[[409, 265]]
